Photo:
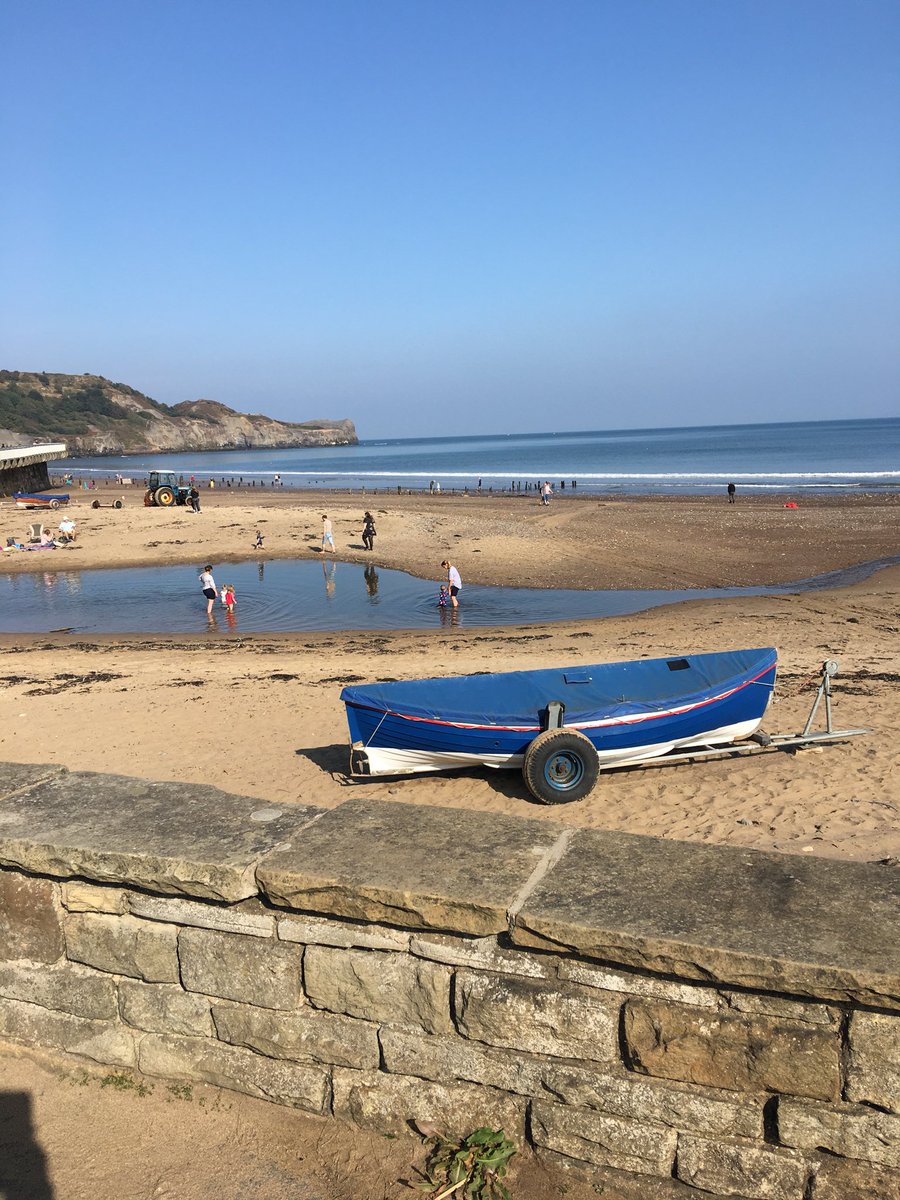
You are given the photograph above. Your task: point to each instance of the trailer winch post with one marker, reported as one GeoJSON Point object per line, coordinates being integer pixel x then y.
{"type": "Point", "coordinates": [829, 668]}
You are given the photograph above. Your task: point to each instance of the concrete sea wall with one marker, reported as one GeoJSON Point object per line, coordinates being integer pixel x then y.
{"type": "Point", "coordinates": [680, 1020]}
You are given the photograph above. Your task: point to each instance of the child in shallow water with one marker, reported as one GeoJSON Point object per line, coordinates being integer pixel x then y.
{"type": "Point", "coordinates": [443, 596]}
{"type": "Point", "coordinates": [228, 596]}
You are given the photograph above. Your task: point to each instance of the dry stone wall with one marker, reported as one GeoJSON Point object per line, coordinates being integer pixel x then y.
{"type": "Point", "coordinates": [389, 976]}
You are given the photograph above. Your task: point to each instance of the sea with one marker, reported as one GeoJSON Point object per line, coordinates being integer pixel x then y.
{"type": "Point", "coordinates": [796, 457]}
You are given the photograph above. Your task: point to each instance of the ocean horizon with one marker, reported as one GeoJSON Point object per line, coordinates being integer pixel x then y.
{"type": "Point", "coordinates": [823, 456]}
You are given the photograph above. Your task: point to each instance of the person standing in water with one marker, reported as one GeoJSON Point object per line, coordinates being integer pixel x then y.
{"type": "Point", "coordinates": [210, 591]}
{"type": "Point", "coordinates": [453, 579]}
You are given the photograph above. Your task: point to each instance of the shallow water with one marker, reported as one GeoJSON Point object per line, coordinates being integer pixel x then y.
{"type": "Point", "coordinates": [295, 596]}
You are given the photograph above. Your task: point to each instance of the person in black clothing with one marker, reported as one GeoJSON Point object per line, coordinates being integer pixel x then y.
{"type": "Point", "coordinates": [368, 533]}
{"type": "Point", "coordinates": [731, 491]}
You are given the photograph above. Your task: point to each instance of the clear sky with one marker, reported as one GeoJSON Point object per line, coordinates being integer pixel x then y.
{"type": "Point", "coordinates": [458, 216]}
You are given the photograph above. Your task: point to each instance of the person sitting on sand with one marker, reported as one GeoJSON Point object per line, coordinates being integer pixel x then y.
{"type": "Point", "coordinates": [47, 537]}
{"type": "Point", "coordinates": [67, 529]}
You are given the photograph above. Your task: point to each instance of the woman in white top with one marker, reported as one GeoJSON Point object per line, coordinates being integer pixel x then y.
{"type": "Point", "coordinates": [208, 584]}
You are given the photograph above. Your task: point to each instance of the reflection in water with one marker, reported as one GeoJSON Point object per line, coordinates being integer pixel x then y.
{"type": "Point", "coordinates": [371, 577]}
{"type": "Point", "coordinates": [449, 616]}
{"type": "Point", "coordinates": [328, 570]}
{"type": "Point", "coordinates": [231, 618]}
{"type": "Point", "coordinates": [261, 571]}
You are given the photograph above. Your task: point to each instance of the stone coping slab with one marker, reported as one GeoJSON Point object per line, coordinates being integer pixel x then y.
{"type": "Point", "coordinates": [173, 838]}
{"type": "Point", "coordinates": [15, 776]}
{"type": "Point", "coordinates": [807, 926]}
{"type": "Point", "coordinates": [411, 865]}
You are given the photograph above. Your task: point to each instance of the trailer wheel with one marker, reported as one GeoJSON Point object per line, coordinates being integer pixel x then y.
{"type": "Point", "coordinates": [95, 504]}
{"type": "Point", "coordinates": [560, 765]}
{"type": "Point", "coordinates": [54, 504]}
{"type": "Point", "coordinates": [117, 504]}
{"type": "Point", "coordinates": [165, 497]}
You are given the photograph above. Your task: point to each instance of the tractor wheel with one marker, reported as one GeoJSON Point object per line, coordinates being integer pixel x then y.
{"type": "Point", "coordinates": [164, 497]}
{"type": "Point", "coordinates": [560, 765]}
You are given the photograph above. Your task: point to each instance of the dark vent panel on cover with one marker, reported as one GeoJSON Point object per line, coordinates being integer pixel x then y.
{"type": "Point", "coordinates": [678, 664]}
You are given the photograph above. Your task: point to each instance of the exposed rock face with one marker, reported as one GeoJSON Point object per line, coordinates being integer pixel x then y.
{"type": "Point", "coordinates": [95, 416]}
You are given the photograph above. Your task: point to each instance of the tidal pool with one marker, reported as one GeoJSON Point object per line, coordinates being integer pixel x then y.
{"type": "Point", "coordinates": [295, 596]}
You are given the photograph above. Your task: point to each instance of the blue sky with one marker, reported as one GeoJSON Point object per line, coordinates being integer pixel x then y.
{"type": "Point", "coordinates": [458, 217]}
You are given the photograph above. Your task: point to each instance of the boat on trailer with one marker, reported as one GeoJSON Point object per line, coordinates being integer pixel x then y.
{"type": "Point", "coordinates": [562, 726]}
{"type": "Point", "coordinates": [37, 500]}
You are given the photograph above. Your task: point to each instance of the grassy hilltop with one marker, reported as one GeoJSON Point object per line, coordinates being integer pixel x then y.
{"type": "Point", "coordinates": [92, 415]}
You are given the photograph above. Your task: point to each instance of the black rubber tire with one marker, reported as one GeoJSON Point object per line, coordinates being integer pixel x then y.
{"type": "Point", "coordinates": [95, 504]}
{"type": "Point", "coordinates": [117, 504]}
{"type": "Point", "coordinates": [164, 497]}
{"type": "Point", "coordinates": [561, 765]}
{"type": "Point", "coordinates": [54, 504]}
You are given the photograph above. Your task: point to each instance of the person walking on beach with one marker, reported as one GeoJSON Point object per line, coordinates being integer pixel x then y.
{"type": "Point", "coordinates": [731, 491]}
{"type": "Point", "coordinates": [368, 533]}
{"type": "Point", "coordinates": [194, 497]}
{"type": "Point", "coordinates": [327, 534]}
{"type": "Point", "coordinates": [258, 544]}
{"type": "Point", "coordinates": [454, 581]}
{"type": "Point", "coordinates": [546, 492]}
{"type": "Point", "coordinates": [208, 586]}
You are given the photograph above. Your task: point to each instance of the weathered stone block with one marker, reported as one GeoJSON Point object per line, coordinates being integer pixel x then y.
{"type": "Point", "coordinates": [63, 987]}
{"type": "Point", "coordinates": [761, 1004]}
{"type": "Point", "coordinates": [604, 1141]}
{"type": "Point", "coordinates": [247, 917]}
{"type": "Point", "coordinates": [305, 1036]}
{"type": "Point", "coordinates": [162, 1008]}
{"type": "Point", "coordinates": [239, 1070]}
{"type": "Point", "coordinates": [631, 983]}
{"type": "Point", "coordinates": [639, 1099]}
{"type": "Point", "coordinates": [315, 931]}
{"type": "Point", "coordinates": [564, 1020]}
{"type": "Point", "coordinates": [741, 1053]}
{"type": "Point", "coordinates": [90, 897]}
{"type": "Point", "coordinates": [236, 967]}
{"type": "Point", "coordinates": [388, 1102]}
{"type": "Point", "coordinates": [377, 986]}
{"type": "Point", "coordinates": [446, 1059]}
{"type": "Point", "coordinates": [16, 777]}
{"type": "Point", "coordinates": [873, 1070]}
{"type": "Point", "coordinates": [741, 918]}
{"type": "Point", "coordinates": [409, 865]}
{"type": "Point", "coordinates": [856, 1132]}
{"type": "Point", "coordinates": [123, 946]}
{"type": "Point", "coordinates": [175, 838]}
{"type": "Point", "coordinates": [110, 1045]}
{"type": "Point", "coordinates": [483, 954]}
{"type": "Point", "coordinates": [758, 1173]}
{"type": "Point", "coordinates": [29, 919]}
{"type": "Point", "coordinates": [843, 1179]}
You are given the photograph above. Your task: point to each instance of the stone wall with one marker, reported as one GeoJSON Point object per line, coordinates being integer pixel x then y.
{"type": "Point", "coordinates": [30, 478]}
{"type": "Point", "coordinates": [680, 1020]}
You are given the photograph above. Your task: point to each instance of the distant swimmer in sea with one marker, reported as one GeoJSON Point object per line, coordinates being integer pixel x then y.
{"type": "Point", "coordinates": [208, 586]}
{"type": "Point", "coordinates": [454, 582]}
{"type": "Point", "coordinates": [731, 491]}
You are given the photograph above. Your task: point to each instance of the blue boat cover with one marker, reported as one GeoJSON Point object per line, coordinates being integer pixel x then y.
{"type": "Point", "coordinates": [589, 692]}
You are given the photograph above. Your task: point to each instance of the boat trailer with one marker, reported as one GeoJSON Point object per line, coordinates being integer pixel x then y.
{"type": "Point", "coordinates": [760, 741]}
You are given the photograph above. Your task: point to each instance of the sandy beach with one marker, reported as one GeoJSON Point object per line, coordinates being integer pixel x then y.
{"type": "Point", "coordinates": [260, 715]}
